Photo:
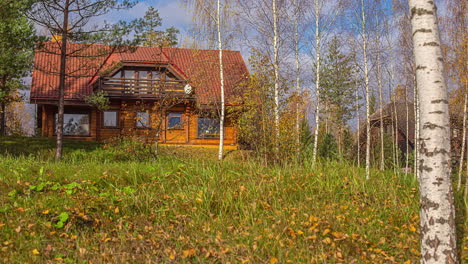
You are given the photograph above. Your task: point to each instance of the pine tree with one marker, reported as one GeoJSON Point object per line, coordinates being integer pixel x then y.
{"type": "Point", "coordinates": [17, 41]}
{"type": "Point", "coordinates": [338, 86]}
{"type": "Point", "coordinates": [147, 31]}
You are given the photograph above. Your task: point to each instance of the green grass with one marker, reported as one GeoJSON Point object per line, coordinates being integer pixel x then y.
{"type": "Point", "coordinates": [186, 207]}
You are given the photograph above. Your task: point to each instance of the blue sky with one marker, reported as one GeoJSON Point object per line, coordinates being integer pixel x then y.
{"type": "Point", "coordinates": [171, 11]}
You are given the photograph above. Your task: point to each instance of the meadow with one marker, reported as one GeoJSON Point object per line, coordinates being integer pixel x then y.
{"type": "Point", "coordinates": [118, 204]}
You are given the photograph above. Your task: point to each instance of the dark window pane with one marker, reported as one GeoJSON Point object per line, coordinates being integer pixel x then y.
{"type": "Point", "coordinates": [208, 128]}
{"type": "Point", "coordinates": [110, 118]}
{"type": "Point", "coordinates": [142, 119]}
{"type": "Point", "coordinates": [174, 120]}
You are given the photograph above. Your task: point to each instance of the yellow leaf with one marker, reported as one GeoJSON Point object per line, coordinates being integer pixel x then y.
{"type": "Point", "coordinates": [45, 212]}
{"type": "Point", "coordinates": [325, 232]}
{"type": "Point", "coordinates": [188, 253]}
{"type": "Point", "coordinates": [35, 252]}
{"type": "Point", "coordinates": [116, 210]}
{"type": "Point", "coordinates": [412, 228]}
{"type": "Point", "coordinates": [171, 256]}
{"type": "Point", "coordinates": [273, 260]}
{"type": "Point", "coordinates": [327, 240]}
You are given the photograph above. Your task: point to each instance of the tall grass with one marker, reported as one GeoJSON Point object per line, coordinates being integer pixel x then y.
{"type": "Point", "coordinates": [198, 210]}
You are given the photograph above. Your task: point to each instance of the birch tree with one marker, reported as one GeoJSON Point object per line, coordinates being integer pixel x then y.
{"type": "Point", "coordinates": [438, 239]}
{"type": "Point", "coordinates": [366, 83]}
{"type": "Point", "coordinates": [322, 23]}
{"type": "Point", "coordinates": [211, 16]}
{"type": "Point", "coordinates": [317, 9]}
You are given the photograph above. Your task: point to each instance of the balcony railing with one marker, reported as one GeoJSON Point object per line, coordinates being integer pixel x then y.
{"type": "Point", "coordinates": [142, 88]}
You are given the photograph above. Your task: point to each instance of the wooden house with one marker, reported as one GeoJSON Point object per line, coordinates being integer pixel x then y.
{"type": "Point", "coordinates": [167, 93]}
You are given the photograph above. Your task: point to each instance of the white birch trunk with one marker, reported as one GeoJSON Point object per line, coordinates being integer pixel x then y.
{"type": "Point", "coordinates": [379, 80]}
{"type": "Point", "coordinates": [317, 82]}
{"type": "Point", "coordinates": [462, 154]}
{"type": "Point", "coordinates": [366, 78]}
{"type": "Point", "coordinates": [416, 131]}
{"type": "Point", "coordinates": [298, 80]}
{"type": "Point", "coordinates": [276, 69]}
{"type": "Point", "coordinates": [438, 238]}
{"type": "Point", "coordinates": [407, 130]}
{"type": "Point", "coordinates": [358, 127]}
{"type": "Point", "coordinates": [221, 76]}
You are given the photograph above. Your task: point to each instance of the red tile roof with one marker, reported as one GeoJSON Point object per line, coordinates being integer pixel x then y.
{"type": "Point", "coordinates": [87, 62]}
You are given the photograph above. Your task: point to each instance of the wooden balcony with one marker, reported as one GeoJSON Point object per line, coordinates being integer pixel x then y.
{"type": "Point", "coordinates": [143, 88]}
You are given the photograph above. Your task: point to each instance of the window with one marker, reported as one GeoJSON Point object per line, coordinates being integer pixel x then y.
{"type": "Point", "coordinates": [208, 127]}
{"type": "Point", "coordinates": [74, 124]}
{"type": "Point", "coordinates": [110, 119]}
{"type": "Point", "coordinates": [142, 119]}
{"type": "Point", "coordinates": [174, 121]}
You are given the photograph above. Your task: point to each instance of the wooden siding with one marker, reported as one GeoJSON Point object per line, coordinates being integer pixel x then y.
{"type": "Point", "coordinates": [127, 110]}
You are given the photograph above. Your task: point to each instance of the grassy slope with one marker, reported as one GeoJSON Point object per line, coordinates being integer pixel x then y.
{"type": "Point", "coordinates": [197, 210]}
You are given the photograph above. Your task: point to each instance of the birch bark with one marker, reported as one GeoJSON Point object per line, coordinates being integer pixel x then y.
{"type": "Point", "coordinates": [221, 77]}
{"type": "Point", "coordinates": [438, 239]}
{"type": "Point", "coordinates": [366, 78]}
{"type": "Point", "coordinates": [317, 82]}
{"type": "Point", "coordinates": [298, 79]}
{"type": "Point", "coordinates": [462, 154]}
{"type": "Point", "coordinates": [276, 70]}
{"type": "Point", "coordinates": [379, 81]}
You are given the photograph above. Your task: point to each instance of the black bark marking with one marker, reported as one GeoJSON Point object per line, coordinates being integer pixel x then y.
{"type": "Point", "coordinates": [428, 204]}
{"type": "Point", "coordinates": [424, 229]}
{"type": "Point", "coordinates": [440, 59]}
{"type": "Point", "coordinates": [436, 152]}
{"type": "Point", "coordinates": [420, 12]}
{"type": "Point", "coordinates": [439, 181]}
{"type": "Point", "coordinates": [431, 221]}
{"type": "Point", "coordinates": [422, 30]}
{"type": "Point", "coordinates": [425, 168]}
{"type": "Point", "coordinates": [433, 44]}
{"type": "Point", "coordinates": [439, 101]}
{"type": "Point", "coordinates": [449, 254]}
{"type": "Point", "coordinates": [437, 112]}
{"type": "Point", "coordinates": [442, 221]}
{"type": "Point", "coordinates": [433, 243]}
{"type": "Point", "coordinates": [421, 67]}
{"type": "Point", "coordinates": [427, 256]}
{"type": "Point", "coordinates": [432, 126]}
{"type": "Point", "coordinates": [437, 82]}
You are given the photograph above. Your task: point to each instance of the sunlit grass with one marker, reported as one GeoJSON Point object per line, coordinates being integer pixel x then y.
{"type": "Point", "coordinates": [198, 210]}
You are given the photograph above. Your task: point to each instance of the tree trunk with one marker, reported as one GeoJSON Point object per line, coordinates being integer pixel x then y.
{"type": "Point", "coordinates": [438, 238]}
{"type": "Point", "coordinates": [298, 80]}
{"type": "Point", "coordinates": [3, 119]}
{"type": "Point", "coordinates": [366, 77]}
{"type": "Point", "coordinates": [416, 130]}
{"type": "Point", "coordinates": [407, 132]}
{"type": "Point", "coordinates": [276, 70]}
{"type": "Point", "coordinates": [317, 81]}
{"type": "Point", "coordinates": [379, 80]}
{"type": "Point", "coordinates": [61, 99]}
{"type": "Point", "coordinates": [358, 127]}
{"type": "Point", "coordinates": [462, 154]}
{"type": "Point", "coordinates": [221, 76]}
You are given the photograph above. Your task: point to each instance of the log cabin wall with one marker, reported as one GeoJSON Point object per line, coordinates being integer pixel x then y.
{"type": "Point", "coordinates": [127, 111]}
